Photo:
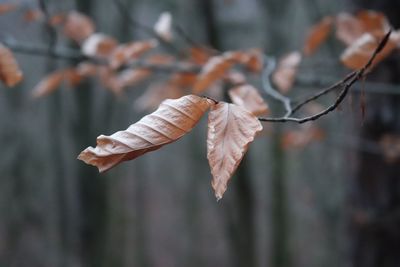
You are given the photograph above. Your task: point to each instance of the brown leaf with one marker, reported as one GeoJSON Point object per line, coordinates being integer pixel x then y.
{"type": "Point", "coordinates": [131, 51]}
{"type": "Point", "coordinates": [48, 84]}
{"type": "Point", "coordinates": [7, 7]}
{"type": "Point", "coordinates": [214, 69]}
{"type": "Point", "coordinates": [235, 78]}
{"type": "Point", "coordinates": [358, 54]}
{"type": "Point", "coordinates": [10, 73]}
{"type": "Point", "coordinates": [248, 97]}
{"type": "Point", "coordinates": [163, 26]}
{"type": "Point", "coordinates": [78, 26]}
{"type": "Point", "coordinates": [172, 120]}
{"type": "Point", "coordinates": [99, 45]}
{"type": "Point", "coordinates": [131, 77]}
{"type": "Point", "coordinates": [317, 35]}
{"type": "Point", "coordinates": [286, 72]}
{"type": "Point", "coordinates": [252, 60]}
{"type": "Point", "coordinates": [373, 22]}
{"type": "Point", "coordinates": [348, 28]}
{"type": "Point", "coordinates": [199, 55]}
{"type": "Point", "coordinates": [231, 129]}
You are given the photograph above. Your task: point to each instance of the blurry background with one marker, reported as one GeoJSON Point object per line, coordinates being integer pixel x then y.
{"type": "Point", "coordinates": [334, 202]}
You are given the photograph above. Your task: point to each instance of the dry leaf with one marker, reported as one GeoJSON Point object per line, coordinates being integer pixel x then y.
{"type": "Point", "coordinates": [183, 79]}
{"type": "Point", "coordinates": [373, 22]}
{"type": "Point", "coordinates": [131, 51]}
{"type": "Point", "coordinates": [199, 55]}
{"type": "Point", "coordinates": [73, 77]}
{"type": "Point", "coordinates": [248, 97]}
{"type": "Point", "coordinates": [7, 7]}
{"type": "Point", "coordinates": [10, 73]}
{"type": "Point", "coordinates": [78, 26]}
{"type": "Point", "coordinates": [348, 28]}
{"type": "Point", "coordinates": [317, 35]}
{"type": "Point", "coordinates": [358, 54]}
{"type": "Point", "coordinates": [172, 120]}
{"type": "Point", "coordinates": [253, 60]}
{"type": "Point", "coordinates": [235, 78]}
{"type": "Point", "coordinates": [286, 72]}
{"type": "Point", "coordinates": [231, 129]}
{"type": "Point", "coordinates": [163, 26]}
{"type": "Point", "coordinates": [99, 45]}
{"type": "Point", "coordinates": [131, 77]}
{"type": "Point", "coordinates": [214, 69]}
{"type": "Point", "coordinates": [48, 84]}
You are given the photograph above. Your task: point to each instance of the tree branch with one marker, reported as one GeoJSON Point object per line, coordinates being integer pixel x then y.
{"type": "Point", "coordinates": [346, 84]}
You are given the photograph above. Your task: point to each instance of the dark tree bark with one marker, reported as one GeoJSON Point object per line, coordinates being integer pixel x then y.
{"type": "Point", "coordinates": [375, 193]}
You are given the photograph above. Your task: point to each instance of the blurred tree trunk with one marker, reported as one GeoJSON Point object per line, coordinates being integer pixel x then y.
{"type": "Point", "coordinates": [241, 206]}
{"type": "Point", "coordinates": [376, 189]}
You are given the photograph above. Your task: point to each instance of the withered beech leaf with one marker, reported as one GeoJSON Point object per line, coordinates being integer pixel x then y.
{"type": "Point", "coordinates": [248, 97]}
{"type": "Point", "coordinates": [348, 28]}
{"type": "Point", "coordinates": [10, 73]}
{"type": "Point", "coordinates": [78, 26]}
{"type": "Point", "coordinates": [130, 51]}
{"type": "Point", "coordinates": [285, 74]}
{"type": "Point", "coordinates": [48, 84]}
{"type": "Point", "coordinates": [172, 120]}
{"type": "Point", "coordinates": [373, 22]}
{"type": "Point", "coordinates": [231, 129]}
{"type": "Point", "coordinates": [317, 35]}
{"type": "Point", "coordinates": [358, 54]}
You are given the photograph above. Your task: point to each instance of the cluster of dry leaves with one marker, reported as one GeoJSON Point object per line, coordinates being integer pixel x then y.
{"type": "Point", "coordinates": [194, 71]}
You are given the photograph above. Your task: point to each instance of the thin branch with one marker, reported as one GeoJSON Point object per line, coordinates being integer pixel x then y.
{"type": "Point", "coordinates": [269, 68]}
{"type": "Point", "coordinates": [346, 83]}
{"type": "Point", "coordinates": [49, 28]}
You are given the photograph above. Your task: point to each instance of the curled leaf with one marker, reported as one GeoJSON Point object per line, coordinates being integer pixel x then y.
{"type": "Point", "coordinates": [10, 73]}
{"type": "Point", "coordinates": [358, 54]}
{"type": "Point", "coordinates": [348, 28]}
{"type": "Point", "coordinates": [172, 120]}
{"type": "Point", "coordinates": [48, 84]}
{"type": "Point", "coordinates": [248, 97]}
{"type": "Point", "coordinates": [127, 52]}
{"type": "Point", "coordinates": [231, 129]}
{"type": "Point", "coordinates": [78, 26]}
{"type": "Point", "coordinates": [317, 35]}
{"type": "Point", "coordinates": [286, 72]}
{"type": "Point", "coordinates": [214, 69]}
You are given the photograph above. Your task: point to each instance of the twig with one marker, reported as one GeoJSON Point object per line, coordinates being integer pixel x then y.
{"type": "Point", "coordinates": [269, 68]}
{"type": "Point", "coordinates": [49, 28]}
{"type": "Point", "coordinates": [346, 84]}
